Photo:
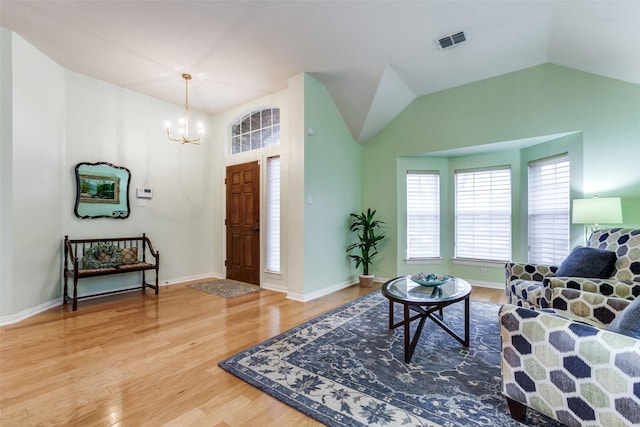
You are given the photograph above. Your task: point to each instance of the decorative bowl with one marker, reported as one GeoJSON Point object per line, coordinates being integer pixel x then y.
{"type": "Point", "coordinates": [429, 279]}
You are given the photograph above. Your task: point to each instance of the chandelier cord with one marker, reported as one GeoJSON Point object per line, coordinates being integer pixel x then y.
{"type": "Point", "coordinates": [186, 78]}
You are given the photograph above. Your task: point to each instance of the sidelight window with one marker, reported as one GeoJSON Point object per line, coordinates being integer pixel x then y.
{"type": "Point", "coordinates": [273, 214]}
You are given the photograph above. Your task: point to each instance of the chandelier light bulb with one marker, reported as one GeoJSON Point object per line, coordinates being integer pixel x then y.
{"type": "Point", "coordinates": [183, 127]}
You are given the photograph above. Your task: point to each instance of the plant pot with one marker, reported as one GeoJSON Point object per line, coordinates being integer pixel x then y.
{"type": "Point", "coordinates": [366, 280]}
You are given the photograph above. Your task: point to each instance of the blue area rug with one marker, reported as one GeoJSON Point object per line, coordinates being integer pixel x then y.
{"type": "Point", "coordinates": [346, 368]}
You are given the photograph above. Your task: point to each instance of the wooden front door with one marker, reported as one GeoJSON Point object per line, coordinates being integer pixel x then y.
{"type": "Point", "coordinates": [243, 222]}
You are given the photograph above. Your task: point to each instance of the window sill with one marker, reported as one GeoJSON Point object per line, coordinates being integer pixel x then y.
{"type": "Point", "coordinates": [418, 261]}
{"type": "Point", "coordinates": [275, 274]}
{"type": "Point", "coordinates": [479, 262]}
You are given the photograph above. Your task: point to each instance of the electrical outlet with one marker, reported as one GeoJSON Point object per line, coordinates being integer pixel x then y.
{"type": "Point", "coordinates": [483, 271]}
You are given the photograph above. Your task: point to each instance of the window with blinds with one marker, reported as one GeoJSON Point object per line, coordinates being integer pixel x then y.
{"type": "Point", "coordinates": [548, 211]}
{"type": "Point", "coordinates": [423, 215]}
{"type": "Point", "coordinates": [273, 214]}
{"type": "Point", "coordinates": [483, 214]}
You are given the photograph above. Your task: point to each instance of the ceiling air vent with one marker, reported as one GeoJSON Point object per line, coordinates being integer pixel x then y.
{"type": "Point", "coordinates": [452, 40]}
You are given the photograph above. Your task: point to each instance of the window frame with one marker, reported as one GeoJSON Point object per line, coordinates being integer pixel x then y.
{"type": "Point", "coordinates": [430, 208]}
{"type": "Point", "coordinates": [477, 240]}
{"type": "Point", "coordinates": [549, 244]}
{"type": "Point", "coordinates": [254, 131]}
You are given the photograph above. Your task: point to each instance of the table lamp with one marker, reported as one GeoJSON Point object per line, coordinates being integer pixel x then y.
{"type": "Point", "coordinates": [596, 212]}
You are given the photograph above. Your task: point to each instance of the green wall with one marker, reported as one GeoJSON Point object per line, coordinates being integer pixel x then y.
{"type": "Point", "coordinates": [333, 189]}
{"type": "Point", "coordinates": [598, 116]}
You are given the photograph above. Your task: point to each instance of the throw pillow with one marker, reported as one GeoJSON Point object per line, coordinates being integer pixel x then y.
{"type": "Point", "coordinates": [628, 321]}
{"type": "Point", "coordinates": [129, 255]}
{"type": "Point", "coordinates": [588, 262]}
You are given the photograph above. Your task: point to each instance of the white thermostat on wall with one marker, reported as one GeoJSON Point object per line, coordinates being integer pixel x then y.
{"type": "Point", "coordinates": [145, 192]}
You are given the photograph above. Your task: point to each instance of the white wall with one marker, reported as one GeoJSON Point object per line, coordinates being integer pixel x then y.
{"type": "Point", "coordinates": [221, 134]}
{"type": "Point", "coordinates": [295, 202]}
{"type": "Point", "coordinates": [110, 124]}
{"type": "Point", "coordinates": [59, 118]}
{"type": "Point", "coordinates": [38, 124]}
{"type": "Point", "coordinates": [6, 141]}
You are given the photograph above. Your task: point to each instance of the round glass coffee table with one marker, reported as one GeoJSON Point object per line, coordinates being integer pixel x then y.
{"type": "Point", "coordinates": [425, 301]}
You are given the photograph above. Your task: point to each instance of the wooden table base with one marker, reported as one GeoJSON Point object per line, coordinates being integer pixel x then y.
{"type": "Point", "coordinates": [422, 313]}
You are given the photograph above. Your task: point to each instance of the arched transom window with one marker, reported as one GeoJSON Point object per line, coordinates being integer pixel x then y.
{"type": "Point", "coordinates": [256, 130]}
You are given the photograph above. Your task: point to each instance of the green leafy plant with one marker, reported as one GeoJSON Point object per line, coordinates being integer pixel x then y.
{"type": "Point", "coordinates": [368, 230]}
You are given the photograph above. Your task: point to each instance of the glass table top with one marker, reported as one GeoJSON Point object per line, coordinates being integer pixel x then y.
{"type": "Point", "coordinates": [405, 289]}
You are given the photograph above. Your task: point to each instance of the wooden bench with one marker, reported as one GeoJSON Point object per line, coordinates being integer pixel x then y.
{"type": "Point", "coordinates": [107, 256]}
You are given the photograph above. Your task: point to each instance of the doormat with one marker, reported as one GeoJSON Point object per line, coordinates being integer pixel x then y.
{"type": "Point", "coordinates": [226, 288]}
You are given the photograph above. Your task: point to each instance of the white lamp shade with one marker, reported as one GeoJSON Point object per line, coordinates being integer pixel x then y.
{"type": "Point", "coordinates": [606, 210]}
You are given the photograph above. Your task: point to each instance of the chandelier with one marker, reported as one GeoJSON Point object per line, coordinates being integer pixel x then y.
{"type": "Point", "coordinates": [183, 123]}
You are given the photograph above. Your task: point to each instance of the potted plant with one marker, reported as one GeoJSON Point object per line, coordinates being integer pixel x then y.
{"type": "Point", "coordinates": [369, 233]}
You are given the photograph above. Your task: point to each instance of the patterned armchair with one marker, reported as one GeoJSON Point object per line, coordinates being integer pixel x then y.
{"type": "Point", "coordinates": [531, 285]}
{"type": "Point", "coordinates": [561, 360]}
{"type": "Point", "coordinates": [524, 283]}
{"type": "Point", "coordinates": [573, 372]}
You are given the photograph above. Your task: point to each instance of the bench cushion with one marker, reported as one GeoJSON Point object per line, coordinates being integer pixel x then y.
{"type": "Point", "coordinates": [139, 266]}
{"type": "Point", "coordinates": [93, 271]}
{"type": "Point", "coordinates": [136, 266]}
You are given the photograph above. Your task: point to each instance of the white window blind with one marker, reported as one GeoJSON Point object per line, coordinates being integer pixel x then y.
{"type": "Point", "coordinates": [548, 210]}
{"type": "Point", "coordinates": [273, 214]}
{"type": "Point", "coordinates": [423, 215]}
{"type": "Point", "coordinates": [483, 214]}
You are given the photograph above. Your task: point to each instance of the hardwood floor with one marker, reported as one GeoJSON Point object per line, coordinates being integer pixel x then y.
{"type": "Point", "coordinates": [137, 360]}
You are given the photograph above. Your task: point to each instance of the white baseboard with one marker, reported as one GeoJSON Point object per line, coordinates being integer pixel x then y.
{"type": "Point", "coordinates": [176, 280]}
{"type": "Point", "coordinates": [273, 287]}
{"type": "Point", "coordinates": [492, 285]}
{"type": "Point", "coordinates": [32, 311]}
{"type": "Point", "coordinates": [320, 293]}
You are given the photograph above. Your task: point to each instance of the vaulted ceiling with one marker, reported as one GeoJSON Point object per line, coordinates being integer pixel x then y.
{"type": "Point", "coordinates": [374, 57]}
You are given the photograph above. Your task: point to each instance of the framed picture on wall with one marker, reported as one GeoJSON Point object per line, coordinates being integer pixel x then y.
{"type": "Point", "coordinates": [99, 189]}
{"type": "Point", "coordinates": [102, 190]}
